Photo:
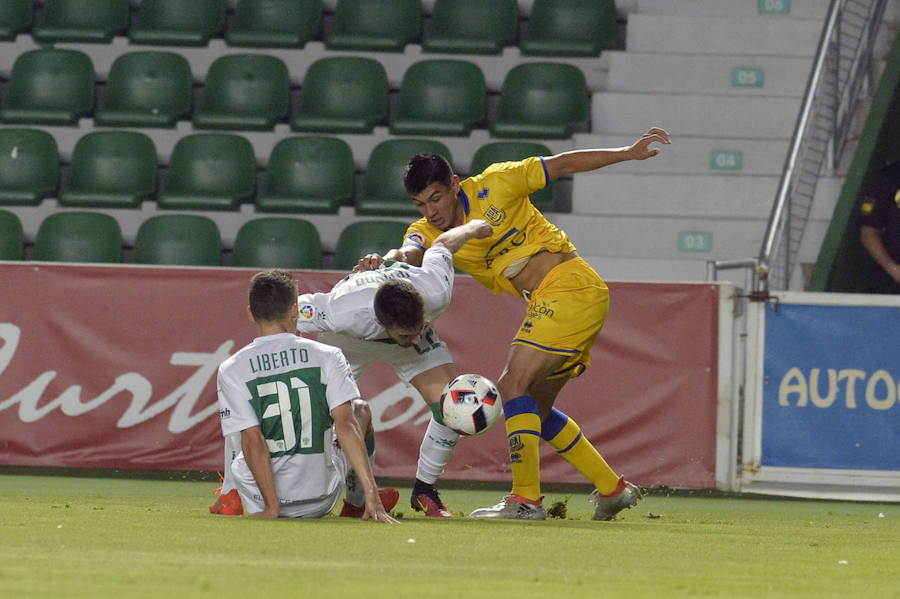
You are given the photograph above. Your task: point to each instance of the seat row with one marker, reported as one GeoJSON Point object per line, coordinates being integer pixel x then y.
{"type": "Point", "coordinates": [188, 239]}
{"type": "Point", "coordinates": [218, 171]}
{"type": "Point", "coordinates": [555, 27]}
{"type": "Point", "coordinates": [340, 94]}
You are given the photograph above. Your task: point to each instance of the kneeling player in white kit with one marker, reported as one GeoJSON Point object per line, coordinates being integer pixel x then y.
{"type": "Point", "coordinates": [292, 400]}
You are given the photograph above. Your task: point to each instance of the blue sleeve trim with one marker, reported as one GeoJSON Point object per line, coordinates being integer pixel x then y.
{"type": "Point", "coordinates": [546, 174]}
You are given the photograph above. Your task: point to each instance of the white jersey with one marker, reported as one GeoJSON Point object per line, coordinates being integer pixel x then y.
{"type": "Point", "coordinates": [348, 308]}
{"type": "Point", "coordinates": [288, 386]}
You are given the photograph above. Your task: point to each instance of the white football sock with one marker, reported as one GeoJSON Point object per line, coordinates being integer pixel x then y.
{"type": "Point", "coordinates": [232, 449]}
{"type": "Point", "coordinates": [435, 451]}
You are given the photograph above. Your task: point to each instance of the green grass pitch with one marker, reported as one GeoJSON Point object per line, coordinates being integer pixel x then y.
{"type": "Point", "coordinates": [85, 537]}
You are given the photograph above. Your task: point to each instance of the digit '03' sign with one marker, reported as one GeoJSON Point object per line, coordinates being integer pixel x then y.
{"type": "Point", "coordinates": [692, 241]}
{"type": "Point", "coordinates": [774, 7]}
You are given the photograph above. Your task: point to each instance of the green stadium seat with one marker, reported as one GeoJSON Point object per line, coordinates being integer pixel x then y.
{"type": "Point", "coordinates": [177, 22]}
{"type": "Point", "coordinates": [375, 25]}
{"type": "Point", "coordinates": [366, 237]}
{"type": "Point", "coordinates": [49, 87]}
{"type": "Point", "coordinates": [111, 169]}
{"type": "Point", "coordinates": [209, 171]}
{"type": "Point", "coordinates": [569, 27]}
{"type": "Point", "coordinates": [29, 166]}
{"type": "Point", "coordinates": [178, 240]}
{"type": "Point", "coordinates": [277, 242]}
{"type": "Point", "coordinates": [382, 191]}
{"type": "Point", "coordinates": [307, 174]}
{"type": "Point", "coordinates": [244, 92]}
{"type": "Point", "coordinates": [505, 151]}
{"type": "Point", "coordinates": [15, 18]}
{"type": "Point", "coordinates": [472, 26]}
{"type": "Point", "coordinates": [146, 89]}
{"type": "Point", "coordinates": [82, 21]}
{"type": "Point", "coordinates": [342, 94]}
{"type": "Point", "coordinates": [12, 237]}
{"type": "Point", "coordinates": [274, 23]}
{"type": "Point", "coordinates": [78, 237]}
{"type": "Point", "coordinates": [541, 100]}
{"type": "Point", "coordinates": [440, 97]}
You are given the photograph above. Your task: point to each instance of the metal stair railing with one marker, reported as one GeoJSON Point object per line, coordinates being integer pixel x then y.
{"type": "Point", "coordinates": [842, 63]}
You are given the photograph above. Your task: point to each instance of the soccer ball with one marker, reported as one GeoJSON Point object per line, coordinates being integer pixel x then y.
{"type": "Point", "coordinates": [470, 404]}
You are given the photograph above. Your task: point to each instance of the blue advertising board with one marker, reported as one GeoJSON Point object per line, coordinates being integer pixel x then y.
{"type": "Point", "coordinates": [831, 387]}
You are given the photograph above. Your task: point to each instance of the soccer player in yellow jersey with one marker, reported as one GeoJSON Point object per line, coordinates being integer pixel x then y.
{"type": "Point", "coordinates": [567, 302]}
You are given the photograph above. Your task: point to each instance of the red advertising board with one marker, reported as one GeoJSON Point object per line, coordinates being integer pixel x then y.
{"type": "Point", "coordinates": [114, 367]}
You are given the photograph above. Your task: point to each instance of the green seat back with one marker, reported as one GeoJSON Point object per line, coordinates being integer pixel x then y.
{"type": "Point", "coordinates": [569, 27]}
{"type": "Point", "coordinates": [278, 243]}
{"type": "Point", "coordinates": [472, 26]}
{"type": "Point", "coordinates": [440, 97]}
{"type": "Point", "coordinates": [375, 25]}
{"type": "Point", "coordinates": [275, 23]}
{"type": "Point", "coordinates": [178, 239]}
{"type": "Point", "coordinates": [383, 192]}
{"type": "Point", "coordinates": [505, 151]}
{"type": "Point", "coordinates": [15, 18]}
{"type": "Point", "coordinates": [541, 100]}
{"type": "Point", "coordinates": [342, 94]}
{"type": "Point", "coordinates": [209, 171]}
{"type": "Point", "coordinates": [29, 166]}
{"type": "Point", "coordinates": [12, 237]}
{"type": "Point", "coordinates": [49, 87]}
{"type": "Point", "coordinates": [88, 21]}
{"type": "Point", "coordinates": [78, 237]}
{"type": "Point", "coordinates": [244, 92]}
{"type": "Point", "coordinates": [146, 89]}
{"type": "Point", "coordinates": [307, 174]}
{"type": "Point", "coordinates": [177, 22]}
{"type": "Point", "coordinates": [111, 169]}
{"type": "Point", "coordinates": [366, 237]}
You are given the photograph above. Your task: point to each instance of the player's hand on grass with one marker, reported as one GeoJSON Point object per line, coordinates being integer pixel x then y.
{"type": "Point", "coordinates": [369, 262]}
{"type": "Point", "coordinates": [379, 514]}
{"type": "Point", "coordinates": [266, 513]}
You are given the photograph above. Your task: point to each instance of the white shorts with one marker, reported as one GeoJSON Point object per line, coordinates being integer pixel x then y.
{"type": "Point", "coordinates": [407, 362]}
{"type": "Point", "coordinates": [308, 486]}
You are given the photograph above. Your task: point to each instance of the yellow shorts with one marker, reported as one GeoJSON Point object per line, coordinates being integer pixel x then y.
{"type": "Point", "coordinates": [565, 314]}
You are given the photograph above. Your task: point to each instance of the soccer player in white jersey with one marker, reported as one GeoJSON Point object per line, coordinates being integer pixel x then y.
{"type": "Point", "coordinates": [296, 407]}
{"type": "Point", "coordinates": [386, 315]}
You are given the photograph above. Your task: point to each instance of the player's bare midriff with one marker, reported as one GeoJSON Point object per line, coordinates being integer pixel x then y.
{"type": "Point", "coordinates": [537, 268]}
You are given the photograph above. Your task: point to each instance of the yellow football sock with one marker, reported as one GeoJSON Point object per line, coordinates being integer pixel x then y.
{"type": "Point", "coordinates": [523, 426]}
{"type": "Point", "coordinates": [565, 436]}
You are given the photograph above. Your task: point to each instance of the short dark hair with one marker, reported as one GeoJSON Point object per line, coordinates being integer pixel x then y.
{"type": "Point", "coordinates": [398, 303]}
{"type": "Point", "coordinates": [272, 292]}
{"type": "Point", "coordinates": [424, 169]}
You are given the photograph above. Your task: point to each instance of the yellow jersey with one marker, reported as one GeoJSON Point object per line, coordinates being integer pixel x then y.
{"type": "Point", "coordinates": [499, 195]}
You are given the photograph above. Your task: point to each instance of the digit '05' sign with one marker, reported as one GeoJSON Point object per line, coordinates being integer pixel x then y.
{"type": "Point", "coordinates": [746, 77]}
{"type": "Point", "coordinates": [774, 7]}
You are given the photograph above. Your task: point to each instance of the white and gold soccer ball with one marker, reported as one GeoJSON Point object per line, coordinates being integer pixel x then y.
{"type": "Point", "coordinates": [470, 404]}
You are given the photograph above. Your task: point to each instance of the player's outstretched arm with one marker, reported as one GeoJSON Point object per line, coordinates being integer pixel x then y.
{"type": "Point", "coordinates": [455, 238]}
{"type": "Point", "coordinates": [579, 161]}
{"type": "Point", "coordinates": [350, 437]}
{"type": "Point", "coordinates": [256, 453]}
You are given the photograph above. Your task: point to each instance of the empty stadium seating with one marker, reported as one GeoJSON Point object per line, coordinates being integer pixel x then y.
{"type": "Point", "coordinates": [365, 237]}
{"type": "Point", "coordinates": [178, 239]}
{"type": "Point", "coordinates": [472, 26]}
{"type": "Point", "coordinates": [569, 27]}
{"type": "Point", "coordinates": [307, 174]}
{"type": "Point", "coordinates": [29, 166]}
{"type": "Point", "coordinates": [440, 97]}
{"type": "Point", "coordinates": [277, 243]}
{"type": "Point", "coordinates": [15, 17]}
{"type": "Point", "coordinates": [274, 23]}
{"type": "Point", "coordinates": [177, 23]}
{"type": "Point", "coordinates": [111, 169]}
{"type": "Point", "coordinates": [375, 25]}
{"type": "Point", "coordinates": [12, 237]}
{"type": "Point", "coordinates": [49, 86]}
{"type": "Point", "coordinates": [88, 21]}
{"type": "Point", "coordinates": [78, 237]}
